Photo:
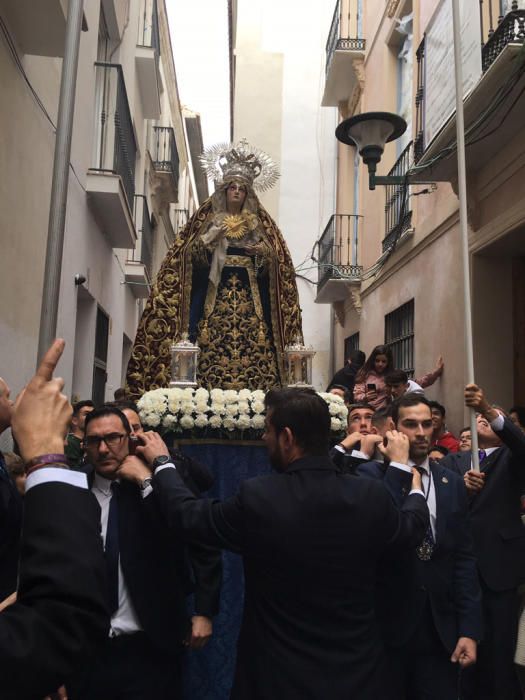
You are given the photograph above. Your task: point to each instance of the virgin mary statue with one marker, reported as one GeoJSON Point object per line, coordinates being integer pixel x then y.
{"type": "Point", "coordinates": [227, 282]}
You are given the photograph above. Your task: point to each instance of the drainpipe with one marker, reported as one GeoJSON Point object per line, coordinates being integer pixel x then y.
{"type": "Point", "coordinates": [60, 181]}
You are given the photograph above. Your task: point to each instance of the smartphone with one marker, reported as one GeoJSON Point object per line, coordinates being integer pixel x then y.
{"type": "Point", "coordinates": [371, 387]}
{"type": "Point", "coordinates": [133, 442]}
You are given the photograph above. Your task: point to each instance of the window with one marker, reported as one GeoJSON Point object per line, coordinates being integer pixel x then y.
{"type": "Point", "coordinates": [351, 343]}
{"type": "Point", "coordinates": [101, 356]}
{"type": "Point", "coordinates": [399, 334]}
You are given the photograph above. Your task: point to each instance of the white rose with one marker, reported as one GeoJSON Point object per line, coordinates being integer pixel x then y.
{"type": "Point", "coordinates": [257, 406]}
{"type": "Point", "coordinates": [187, 407]}
{"type": "Point", "coordinates": [217, 395]}
{"type": "Point", "coordinates": [258, 395]}
{"type": "Point", "coordinates": [244, 407]}
{"type": "Point", "coordinates": [187, 394]}
{"type": "Point", "coordinates": [244, 394]}
{"type": "Point", "coordinates": [169, 421]}
{"type": "Point", "coordinates": [173, 405]}
{"type": "Point", "coordinates": [218, 408]}
{"type": "Point", "coordinates": [174, 394]}
{"type": "Point", "coordinates": [215, 421]}
{"type": "Point", "coordinates": [336, 425]}
{"type": "Point", "coordinates": [202, 394]}
{"type": "Point", "coordinates": [258, 422]}
{"type": "Point", "coordinates": [333, 409]}
{"type": "Point", "coordinates": [232, 409]}
{"type": "Point", "coordinates": [187, 422]}
{"type": "Point", "coordinates": [201, 421]}
{"type": "Point", "coordinates": [229, 423]}
{"type": "Point", "coordinates": [151, 419]}
{"type": "Point", "coordinates": [201, 406]}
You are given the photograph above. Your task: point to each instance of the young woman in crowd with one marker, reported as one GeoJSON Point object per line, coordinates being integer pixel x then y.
{"type": "Point", "coordinates": [370, 380]}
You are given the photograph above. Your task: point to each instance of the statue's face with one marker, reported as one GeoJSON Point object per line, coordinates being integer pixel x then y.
{"type": "Point", "coordinates": [235, 194]}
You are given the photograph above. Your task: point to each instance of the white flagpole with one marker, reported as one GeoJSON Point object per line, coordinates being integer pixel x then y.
{"type": "Point", "coordinates": [462, 193]}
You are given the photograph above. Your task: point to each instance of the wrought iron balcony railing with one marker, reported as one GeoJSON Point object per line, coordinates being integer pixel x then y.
{"type": "Point", "coordinates": [398, 216]}
{"type": "Point", "coordinates": [115, 147]}
{"type": "Point", "coordinates": [337, 249]}
{"type": "Point", "coordinates": [145, 230]}
{"type": "Point", "coordinates": [149, 26]}
{"type": "Point", "coordinates": [344, 32]}
{"type": "Point", "coordinates": [164, 151]}
{"type": "Point", "coordinates": [510, 30]}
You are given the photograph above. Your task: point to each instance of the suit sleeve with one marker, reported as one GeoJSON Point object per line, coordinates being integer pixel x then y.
{"type": "Point", "coordinates": [513, 437]}
{"type": "Point", "coordinates": [406, 524]}
{"type": "Point", "coordinates": [467, 591]}
{"type": "Point", "coordinates": [60, 616]}
{"type": "Point", "coordinates": [205, 521]}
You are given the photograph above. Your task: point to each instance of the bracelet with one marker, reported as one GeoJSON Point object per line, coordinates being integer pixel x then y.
{"type": "Point", "coordinates": [45, 461]}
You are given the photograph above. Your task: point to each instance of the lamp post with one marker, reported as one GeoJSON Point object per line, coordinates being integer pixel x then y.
{"type": "Point", "coordinates": [184, 356]}
{"type": "Point", "coordinates": [299, 365]}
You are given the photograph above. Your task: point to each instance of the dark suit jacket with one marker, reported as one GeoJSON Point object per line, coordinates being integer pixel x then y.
{"type": "Point", "coordinates": [344, 461]}
{"type": "Point", "coordinates": [60, 616]}
{"type": "Point", "coordinates": [448, 581]}
{"type": "Point", "coordinates": [308, 628]}
{"type": "Point", "coordinates": [499, 535]}
{"type": "Point", "coordinates": [11, 505]}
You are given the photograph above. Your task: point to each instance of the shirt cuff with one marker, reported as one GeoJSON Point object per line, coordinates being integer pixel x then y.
{"type": "Point", "coordinates": [359, 454]}
{"type": "Point", "coordinates": [402, 467]}
{"type": "Point", "coordinates": [417, 491]}
{"type": "Point", "coordinates": [146, 492]}
{"type": "Point", "coordinates": [164, 466]}
{"type": "Point", "coordinates": [498, 423]}
{"type": "Point", "coordinates": [340, 448]}
{"type": "Point", "coordinates": [46, 475]}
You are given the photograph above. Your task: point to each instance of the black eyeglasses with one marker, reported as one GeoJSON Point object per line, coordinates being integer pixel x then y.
{"type": "Point", "coordinates": [111, 440]}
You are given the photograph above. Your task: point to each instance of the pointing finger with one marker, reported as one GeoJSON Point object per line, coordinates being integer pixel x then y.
{"type": "Point", "coordinates": [50, 360]}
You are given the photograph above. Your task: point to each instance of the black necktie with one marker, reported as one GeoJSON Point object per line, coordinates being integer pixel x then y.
{"type": "Point", "coordinates": [425, 550]}
{"type": "Point", "coordinates": [112, 549]}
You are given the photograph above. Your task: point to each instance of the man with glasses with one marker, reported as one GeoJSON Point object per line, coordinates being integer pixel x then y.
{"type": "Point", "coordinates": [147, 575]}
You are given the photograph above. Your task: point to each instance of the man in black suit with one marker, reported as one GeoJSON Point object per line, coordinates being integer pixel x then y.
{"type": "Point", "coordinates": [147, 577]}
{"type": "Point", "coordinates": [346, 375]}
{"type": "Point", "coordinates": [499, 543]}
{"type": "Point", "coordinates": [430, 602]}
{"type": "Point", "coordinates": [60, 614]}
{"type": "Point", "coordinates": [360, 440]}
{"type": "Point", "coordinates": [311, 539]}
{"type": "Point", "coordinates": [10, 509]}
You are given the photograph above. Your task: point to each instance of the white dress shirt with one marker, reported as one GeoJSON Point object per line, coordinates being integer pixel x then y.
{"type": "Point", "coordinates": [428, 490]}
{"type": "Point", "coordinates": [124, 619]}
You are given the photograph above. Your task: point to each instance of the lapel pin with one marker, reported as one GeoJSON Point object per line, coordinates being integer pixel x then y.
{"type": "Point", "coordinates": [444, 480]}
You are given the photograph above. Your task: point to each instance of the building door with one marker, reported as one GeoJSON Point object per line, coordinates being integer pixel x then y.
{"type": "Point", "coordinates": [101, 357]}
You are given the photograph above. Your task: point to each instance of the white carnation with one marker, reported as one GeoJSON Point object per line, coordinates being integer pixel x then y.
{"type": "Point", "coordinates": [218, 408]}
{"type": "Point", "coordinates": [257, 406]}
{"type": "Point", "coordinates": [258, 422]}
{"type": "Point", "coordinates": [232, 409]}
{"type": "Point", "coordinates": [187, 394]}
{"type": "Point", "coordinates": [173, 405]}
{"type": "Point", "coordinates": [202, 394]}
{"type": "Point", "coordinates": [187, 422]}
{"type": "Point", "coordinates": [201, 421]}
{"type": "Point", "coordinates": [217, 395]}
{"type": "Point", "coordinates": [215, 421]}
{"type": "Point", "coordinates": [244, 407]}
{"type": "Point", "coordinates": [151, 419]}
{"type": "Point", "coordinates": [333, 409]}
{"type": "Point", "coordinates": [169, 421]}
{"type": "Point", "coordinates": [244, 422]}
{"type": "Point", "coordinates": [174, 394]}
{"type": "Point", "coordinates": [231, 396]}
{"type": "Point", "coordinates": [229, 423]}
{"type": "Point", "coordinates": [244, 394]}
{"type": "Point", "coordinates": [201, 406]}
{"type": "Point", "coordinates": [258, 395]}
{"type": "Point", "coordinates": [336, 425]}
{"type": "Point", "coordinates": [187, 407]}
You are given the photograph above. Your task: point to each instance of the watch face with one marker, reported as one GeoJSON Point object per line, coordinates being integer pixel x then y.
{"type": "Point", "coordinates": [159, 461]}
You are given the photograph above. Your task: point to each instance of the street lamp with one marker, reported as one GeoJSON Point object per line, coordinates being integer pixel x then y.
{"type": "Point", "coordinates": [369, 132]}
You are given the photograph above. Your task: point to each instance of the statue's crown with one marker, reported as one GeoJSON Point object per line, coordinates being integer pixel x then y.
{"type": "Point", "coordinates": [224, 162]}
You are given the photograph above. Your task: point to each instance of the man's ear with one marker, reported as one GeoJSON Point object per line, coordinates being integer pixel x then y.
{"type": "Point", "coordinates": [287, 437]}
{"type": "Point", "coordinates": [374, 430]}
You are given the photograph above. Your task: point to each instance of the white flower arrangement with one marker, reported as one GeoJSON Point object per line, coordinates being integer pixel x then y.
{"type": "Point", "coordinates": [226, 413]}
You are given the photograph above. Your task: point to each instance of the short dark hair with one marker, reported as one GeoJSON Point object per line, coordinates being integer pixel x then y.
{"type": "Point", "coordinates": [520, 412]}
{"type": "Point", "coordinates": [347, 395]}
{"type": "Point", "coordinates": [82, 404]}
{"type": "Point", "coordinates": [397, 376]}
{"type": "Point", "coordinates": [467, 427]}
{"type": "Point", "coordinates": [305, 413]}
{"type": "Point", "coordinates": [439, 448]}
{"type": "Point", "coordinates": [436, 405]}
{"type": "Point", "coordinates": [406, 401]}
{"type": "Point", "coordinates": [360, 404]}
{"type": "Point", "coordinates": [381, 415]}
{"type": "Point", "coordinates": [356, 358]}
{"type": "Point", "coordinates": [121, 405]}
{"type": "Point", "coordinates": [120, 394]}
{"type": "Point", "coordinates": [104, 411]}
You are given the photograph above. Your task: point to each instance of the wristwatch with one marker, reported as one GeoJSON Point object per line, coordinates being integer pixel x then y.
{"type": "Point", "coordinates": [147, 482]}
{"type": "Point", "coordinates": [160, 461]}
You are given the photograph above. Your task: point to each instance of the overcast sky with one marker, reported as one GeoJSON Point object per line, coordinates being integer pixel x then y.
{"type": "Point", "coordinates": [199, 35]}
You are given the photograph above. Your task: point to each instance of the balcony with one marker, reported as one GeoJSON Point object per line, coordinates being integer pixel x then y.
{"type": "Point", "coordinates": [111, 179]}
{"type": "Point", "coordinates": [493, 109]}
{"type": "Point", "coordinates": [38, 27]}
{"type": "Point", "coordinates": [344, 53]}
{"type": "Point", "coordinates": [138, 268]}
{"type": "Point", "coordinates": [147, 59]}
{"type": "Point", "coordinates": [165, 164]}
{"type": "Point", "coordinates": [398, 215]}
{"type": "Point", "coordinates": [337, 258]}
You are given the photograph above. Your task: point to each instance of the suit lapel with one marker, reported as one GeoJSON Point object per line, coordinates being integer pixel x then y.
{"type": "Point", "coordinates": [489, 461]}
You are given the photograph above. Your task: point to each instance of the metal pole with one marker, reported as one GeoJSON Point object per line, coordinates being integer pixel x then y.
{"type": "Point", "coordinates": [59, 185]}
{"type": "Point", "coordinates": [462, 193]}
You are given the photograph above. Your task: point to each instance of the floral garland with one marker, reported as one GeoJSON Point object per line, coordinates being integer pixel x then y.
{"type": "Point", "coordinates": [218, 413]}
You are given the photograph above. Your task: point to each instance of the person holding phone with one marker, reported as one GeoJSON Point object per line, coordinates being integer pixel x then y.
{"type": "Point", "coordinates": [370, 386]}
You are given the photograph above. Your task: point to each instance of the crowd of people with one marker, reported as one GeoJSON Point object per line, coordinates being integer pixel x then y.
{"type": "Point", "coordinates": [383, 567]}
